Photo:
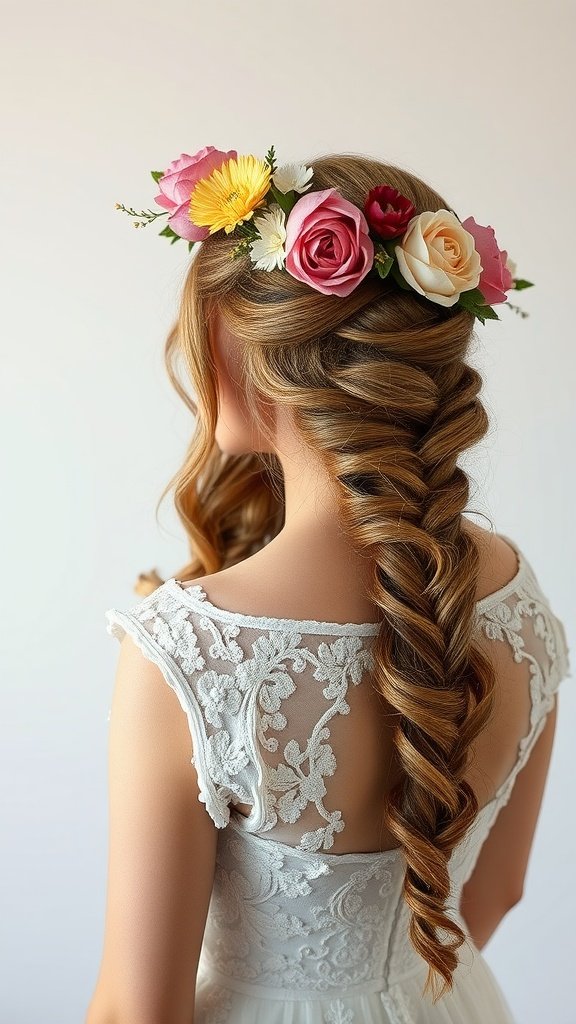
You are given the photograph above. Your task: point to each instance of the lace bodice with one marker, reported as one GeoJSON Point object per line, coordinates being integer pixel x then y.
{"type": "Point", "coordinates": [271, 704]}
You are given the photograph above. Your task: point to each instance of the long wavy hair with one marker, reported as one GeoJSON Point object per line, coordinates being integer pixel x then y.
{"type": "Point", "coordinates": [380, 389]}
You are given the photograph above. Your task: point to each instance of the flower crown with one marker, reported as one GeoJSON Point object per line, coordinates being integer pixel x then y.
{"type": "Point", "coordinates": [324, 240]}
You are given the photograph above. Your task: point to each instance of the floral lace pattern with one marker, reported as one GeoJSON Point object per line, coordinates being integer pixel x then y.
{"type": "Point", "coordinates": [338, 1014]}
{"type": "Point", "coordinates": [337, 664]}
{"type": "Point", "coordinates": [290, 916]}
{"type": "Point", "coordinates": [510, 621]}
{"type": "Point", "coordinates": [281, 919]}
{"type": "Point", "coordinates": [169, 624]}
{"type": "Point", "coordinates": [237, 710]}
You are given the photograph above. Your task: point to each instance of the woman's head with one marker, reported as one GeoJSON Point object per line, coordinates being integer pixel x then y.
{"type": "Point", "coordinates": [376, 383]}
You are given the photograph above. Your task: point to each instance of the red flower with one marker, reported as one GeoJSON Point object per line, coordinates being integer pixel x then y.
{"type": "Point", "coordinates": [388, 211]}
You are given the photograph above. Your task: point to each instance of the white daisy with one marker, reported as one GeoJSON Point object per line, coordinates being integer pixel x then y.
{"type": "Point", "coordinates": [267, 252]}
{"type": "Point", "coordinates": [292, 177]}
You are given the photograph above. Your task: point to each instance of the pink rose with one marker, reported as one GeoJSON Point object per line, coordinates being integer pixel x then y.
{"type": "Point", "coordinates": [178, 183]}
{"type": "Point", "coordinates": [327, 243]}
{"type": "Point", "coordinates": [495, 279]}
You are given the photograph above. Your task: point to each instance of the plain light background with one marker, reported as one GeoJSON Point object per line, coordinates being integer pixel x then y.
{"type": "Point", "coordinates": [476, 99]}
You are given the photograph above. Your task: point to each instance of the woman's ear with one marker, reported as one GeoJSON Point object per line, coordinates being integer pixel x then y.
{"type": "Point", "coordinates": [225, 348]}
{"type": "Point", "coordinates": [237, 429]}
{"type": "Point", "coordinates": [234, 428]}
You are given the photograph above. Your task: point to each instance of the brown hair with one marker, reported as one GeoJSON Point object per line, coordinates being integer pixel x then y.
{"type": "Point", "coordinates": [380, 389]}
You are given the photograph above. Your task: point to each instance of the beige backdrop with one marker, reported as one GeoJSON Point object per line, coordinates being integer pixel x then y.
{"type": "Point", "coordinates": [477, 99]}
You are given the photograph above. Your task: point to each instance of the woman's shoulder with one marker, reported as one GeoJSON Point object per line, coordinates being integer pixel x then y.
{"type": "Point", "coordinates": [513, 608]}
{"type": "Point", "coordinates": [500, 562]}
{"type": "Point", "coordinates": [499, 557]}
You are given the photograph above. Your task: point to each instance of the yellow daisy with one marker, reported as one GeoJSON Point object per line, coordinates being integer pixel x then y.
{"type": "Point", "coordinates": [230, 194]}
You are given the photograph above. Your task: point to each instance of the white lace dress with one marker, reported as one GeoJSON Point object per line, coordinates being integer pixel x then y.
{"type": "Point", "coordinates": [296, 934]}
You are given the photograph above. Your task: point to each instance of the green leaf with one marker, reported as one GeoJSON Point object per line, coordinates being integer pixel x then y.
{"type": "Point", "coordinates": [246, 230]}
{"type": "Point", "coordinates": [469, 300]}
{"type": "Point", "coordinates": [286, 200]}
{"type": "Point", "coordinates": [169, 233]}
{"type": "Point", "coordinates": [520, 283]}
{"type": "Point", "coordinates": [383, 261]}
{"type": "Point", "coordinates": [390, 246]}
{"type": "Point", "coordinates": [191, 246]}
{"type": "Point", "coordinates": [383, 269]}
{"type": "Point", "coordinates": [486, 313]}
{"type": "Point", "coordinates": [157, 175]}
{"type": "Point", "coordinates": [270, 159]}
{"type": "Point", "coordinates": [397, 275]}
{"type": "Point", "coordinates": [241, 249]}
{"type": "Point", "coordinates": [473, 296]}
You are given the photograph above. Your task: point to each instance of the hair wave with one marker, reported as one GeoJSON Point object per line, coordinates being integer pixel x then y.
{"type": "Point", "coordinates": [380, 388]}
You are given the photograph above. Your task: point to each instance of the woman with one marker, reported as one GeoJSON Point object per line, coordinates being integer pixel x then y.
{"type": "Point", "coordinates": [363, 671]}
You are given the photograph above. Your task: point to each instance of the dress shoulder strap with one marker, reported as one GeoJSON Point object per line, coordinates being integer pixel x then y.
{"type": "Point", "coordinates": [520, 617]}
{"type": "Point", "coordinates": [197, 661]}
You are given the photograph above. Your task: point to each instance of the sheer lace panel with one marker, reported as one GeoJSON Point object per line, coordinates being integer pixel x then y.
{"type": "Point", "coordinates": [527, 644]}
{"type": "Point", "coordinates": [283, 716]}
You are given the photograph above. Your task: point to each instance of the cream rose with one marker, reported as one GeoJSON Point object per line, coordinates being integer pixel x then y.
{"type": "Point", "coordinates": [437, 257]}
